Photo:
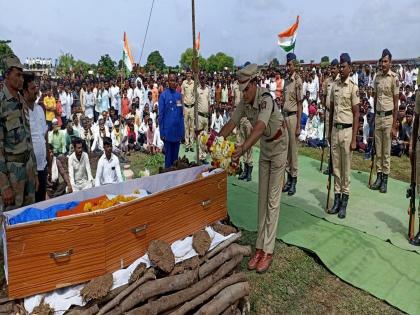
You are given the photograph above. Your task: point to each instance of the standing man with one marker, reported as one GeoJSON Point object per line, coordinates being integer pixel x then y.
{"type": "Point", "coordinates": [63, 99]}
{"type": "Point", "coordinates": [292, 111]}
{"type": "Point", "coordinates": [326, 95]}
{"type": "Point", "coordinates": [415, 147]}
{"type": "Point", "coordinates": [39, 130]}
{"type": "Point", "coordinates": [171, 120]}
{"type": "Point", "coordinates": [79, 168]}
{"type": "Point", "coordinates": [50, 108]}
{"type": "Point", "coordinates": [18, 176]}
{"type": "Point", "coordinates": [188, 98]}
{"type": "Point", "coordinates": [268, 127]}
{"type": "Point", "coordinates": [386, 91]}
{"type": "Point", "coordinates": [344, 123]}
{"type": "Point", "coordinates": [203, 104]}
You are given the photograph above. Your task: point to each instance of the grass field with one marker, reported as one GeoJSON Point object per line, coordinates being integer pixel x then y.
{"type": "Point", "coordinates": [298, 282]}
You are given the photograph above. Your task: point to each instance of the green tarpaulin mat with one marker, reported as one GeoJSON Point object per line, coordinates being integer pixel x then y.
{"type": "Point", "coordinates": [367, 262]}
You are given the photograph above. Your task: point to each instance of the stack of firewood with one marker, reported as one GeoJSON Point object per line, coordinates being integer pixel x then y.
{"type": "Point", "coordinates": [210, 283]}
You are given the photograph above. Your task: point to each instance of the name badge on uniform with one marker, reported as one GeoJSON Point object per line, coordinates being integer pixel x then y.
{"type": "Point", "coordinates": [178, 103]}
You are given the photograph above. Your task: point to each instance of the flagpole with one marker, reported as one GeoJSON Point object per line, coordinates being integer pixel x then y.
{"type": "Point", "coordinates": [195, 70]}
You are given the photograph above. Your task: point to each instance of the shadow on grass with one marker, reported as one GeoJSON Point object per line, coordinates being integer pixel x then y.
{"type": "Point", "coordinates": [393, 224]}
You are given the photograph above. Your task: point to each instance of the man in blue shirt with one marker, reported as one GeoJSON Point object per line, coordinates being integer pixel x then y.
{"type": "Point", "coordinates": [171, 121]}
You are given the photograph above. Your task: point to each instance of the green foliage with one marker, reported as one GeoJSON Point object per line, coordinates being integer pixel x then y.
{"type": "Point", "coordinates": [219, 61]}
{"type": "Point", "coordinates": [107, 67]}
{"type": "Point", "coordinates": [325, 61]}
{"type": "Point", "coordinates": [186, 58]}
{"type": "Point", "coordinates": [275, 63]}
{"type": "Point", "coordinates": [5, 51]}
{"type": "Point", "coordinates": [67, 64]}
{"type": "Point", "coordinates": [155, 61]}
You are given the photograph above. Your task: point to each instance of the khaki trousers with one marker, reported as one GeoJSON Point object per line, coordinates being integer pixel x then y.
{"type": "Point", "coordinates": [383, 126]}
{"type": "Point", "coordinates": [272, 165]}
{"type": "Point", "coordinates": [292, 154]}
{"type": "Point", "coordinates": [341, 158]}
{"type": "Point", "coordinates": [244, 130]}
{"type": "Point", "coordinates": [189, 126]}
{"type": "Point", "coordinates": [203, 124]}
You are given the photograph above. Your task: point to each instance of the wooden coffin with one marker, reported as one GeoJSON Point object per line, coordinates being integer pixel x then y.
{"type": "Point", "coordinates": [42, 256]}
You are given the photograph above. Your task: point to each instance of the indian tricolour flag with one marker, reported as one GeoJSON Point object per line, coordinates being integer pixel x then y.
{"type": "Point", "coordinates": [287, 38]}
{"type": "Point", "coordinates": [127, 56]}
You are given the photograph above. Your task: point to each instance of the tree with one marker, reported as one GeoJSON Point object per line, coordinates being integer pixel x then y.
{"type": "Point", "coordinates": [219, 62]}
{"type": "Point", "coordinates": [107, 67]}
{"type": "Point", "coordinates": [325, 61]}
{"type": "Point", "coordinates": [155, 61]}
{"type": "Point", "coordinates": [186, 58]}
{"type": "Point", "coordinates": [274, 63]}
{"type": "Point", "coordinates": [66, 63]}
{"type": "Point", "coordinates": [5, 51]}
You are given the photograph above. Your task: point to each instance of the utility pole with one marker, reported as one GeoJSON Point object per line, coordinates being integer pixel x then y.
{"type": "Point", "coordinates": [195, 71]}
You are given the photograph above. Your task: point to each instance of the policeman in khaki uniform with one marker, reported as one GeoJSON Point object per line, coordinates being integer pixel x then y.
{"type": "Point", "coordinates": [203, 106]}
{"type": "Point", "coordinates": [344, 123]}
{"type": "Point", "coordinates": [292, 111]}
{"type": "Point", "coordinates": [18, 175]}
{"type": "Point", "coordinates": [326, 94]}
{"type": "Point", "coordinates": [415, 145]}
{"type": "Point", "coordinates": [386, 89]}
{"type": "Point", "coordinates": [188, 97]}
{"type": "Point", "coordinates": [268, 126]}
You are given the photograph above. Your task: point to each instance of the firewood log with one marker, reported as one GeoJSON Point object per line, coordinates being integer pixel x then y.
{"type": "Point", "coordinates": [224, 299]}
{"type": "Point", "coordinates": [226, 254]}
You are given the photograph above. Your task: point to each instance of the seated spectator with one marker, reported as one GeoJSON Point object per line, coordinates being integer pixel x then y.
{"type": "Point", "coordinates": [108, 170]}
{"type": "Point", "coordinates": [150, 134]}
{"type": "Point", "coordinates": [117, 137]}
{"type": "Point", "coordinates": [79, 167]}
{"type": "Point", "coordinates": [309, 130]}
{"type": "Point", "coordinates": [70, 134]}
{"type": "Point", "coordinates": [57, 139]}
{"type": "Point", "coordinates": [99, 135]}
{"type": "Point", "coordinates": [157, 141]}
{"type": "Point", "coordinates": [315, 137]}
{"type": "Point", "coordinates": [86, 135]}
{"type": "Point", "coordinates": [132, 134]}
{"type": "Point", "coordinates": [397, 145]}
{"type": "Point", "coordinates": [56, 174]}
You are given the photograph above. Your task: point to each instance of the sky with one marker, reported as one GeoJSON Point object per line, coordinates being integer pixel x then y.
{"type": "Point", "coordinates": [245, 29]}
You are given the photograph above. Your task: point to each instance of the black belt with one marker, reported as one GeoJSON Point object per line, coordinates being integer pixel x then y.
{"type": "Point", "coordinates": [287, 114]}
{"type": "Point", "coordinates": [342, 126]}
{"type": "Point", "coordinates": [189, 106]}
{"type": "Point", "coordinates": [384, 114]}
{"type": "Point", "coordinates": [18, 158]}
{"type": "Point", "coordinates": [203, 115]}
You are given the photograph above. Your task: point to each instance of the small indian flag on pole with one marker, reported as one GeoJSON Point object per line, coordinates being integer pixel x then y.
{"type": "Point", "coordinates": [197, 44]}
{"type": "Point", "coordinates": [287, 38]}
{"type": "Point", "coordinates": [127, 56]}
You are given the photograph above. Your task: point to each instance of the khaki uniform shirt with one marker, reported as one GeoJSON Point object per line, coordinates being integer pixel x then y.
{"type": "Point", "coordinates": [327, 88]}
{"type": "Point", "coordinates": [417, 107]}
{"type": "Point", "coordinates": [292, 92]}
{"type": "Point", "coordinates": [262, 109]}
{"type": "Point", "coordinates": [385, 87]}
{"type": "Point", "coordinates": [203, 100]}
{"type": "Point", "coordinates": [15, 134]}
{"type": "Point", "coordinates": [187, 91]}
{"type": "Point", "coordinates": [344, 96]}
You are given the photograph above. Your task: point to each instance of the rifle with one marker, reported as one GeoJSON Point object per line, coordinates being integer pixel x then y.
{"type": "Point", "coordinates": [327, 206]}
{"type": "Point", "coordinates": [373, 151]}
{"type": "Point", "coordinates": [323, 143]}
{"type": "Point", "coordinates": [411, 193]}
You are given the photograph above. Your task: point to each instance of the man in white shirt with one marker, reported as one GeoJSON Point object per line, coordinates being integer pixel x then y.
{"type": "Point", "coordinates": [69, 102]}
{"type": "Point", "coordinates": [39, 131]}
{"type": "Point", "coordinates": [99, 133]}
{"type": "Point", "coordinates": [108, 170]}
{"type": "Point", "coordinates": [89, 103]}
{"type": "Point", "coordinates": [139, 92]}
{"type": "Point", "coordinates": [217, 123]}
{"type": "Point", "coordinates": [79, 168]}
{"type": "Point", "coordinates": [113, 91]}
{"type": "Point", "coordinates": [63, 99]}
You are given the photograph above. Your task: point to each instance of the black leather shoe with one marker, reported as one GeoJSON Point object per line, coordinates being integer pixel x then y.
{"type": "Point", "coordinates": [286, 187]}
{"type": "Point", "coordinates": [244, 174]}
{"type": "Point", "coordinates": [292, 189]}
{"type": "Point", "coordinates": [378, 182]}
{"type": "Point", "coordinates": [336, 205]}
{"type": "Point", "coordinates": [384, 184]}
{"type": "Point", "coordinates": [416, 240]}
{"type": "Point", "coordinates": [249, 175]}
{"type": "Point", "coordinates": [343, 206]}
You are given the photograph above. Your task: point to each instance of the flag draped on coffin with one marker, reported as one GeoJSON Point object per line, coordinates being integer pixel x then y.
{"type": "Point", "coordinates": [127, 56]}
{"type": "Point", "coordinates": [287, 38]}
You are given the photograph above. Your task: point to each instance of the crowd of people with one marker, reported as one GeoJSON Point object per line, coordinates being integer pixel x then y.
{"type": "Point", "coordinates": [77, 116]}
